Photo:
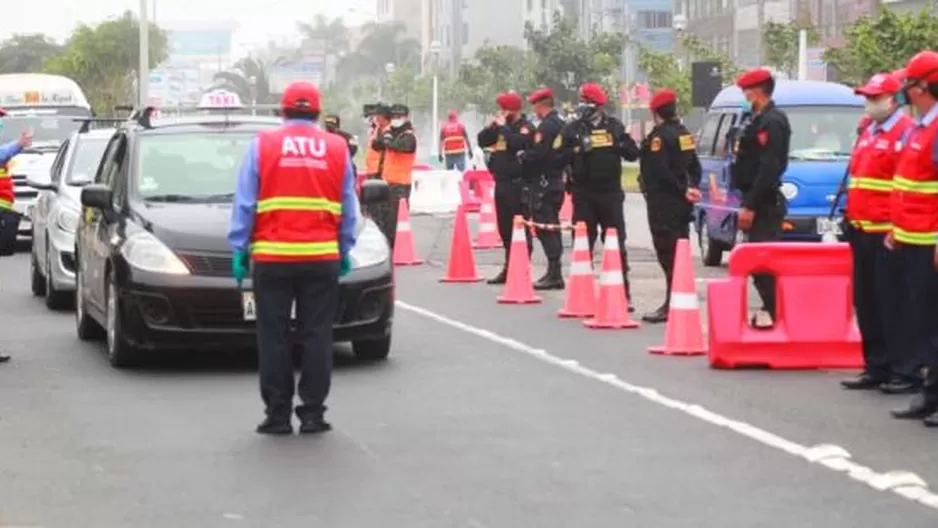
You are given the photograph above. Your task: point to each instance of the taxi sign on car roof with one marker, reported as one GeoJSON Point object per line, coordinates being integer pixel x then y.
{"type": "Point", "coordinates": [220, 99]}
{"type": "Point", "coordinates": [37, 97]}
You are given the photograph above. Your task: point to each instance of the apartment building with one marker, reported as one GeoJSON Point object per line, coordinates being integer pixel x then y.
{"type": "Point", "coordinates": [830, 17]}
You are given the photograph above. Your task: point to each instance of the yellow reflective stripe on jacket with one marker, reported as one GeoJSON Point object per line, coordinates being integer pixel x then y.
{"type": "Point", "coordinates": [296, 203]}
{"type": "Point", "coordinates": [869, 184]}
{"type": "Point", "coordinates": [4, 173]}
{"type": "Point", "coordinates": [872, 227]}
{"type": "Point", "coordinates": [915, 239]}
{"type": "Point", "coordinates": [295, 249]}
{"type": "Point", "coordinates": [4, 204]}
{"type": "Point", "coordinates": [923, 187]}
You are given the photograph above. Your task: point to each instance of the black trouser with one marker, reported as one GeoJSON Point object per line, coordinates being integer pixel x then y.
{"type": "Point", "coordinates": [313, 286]}
{"type": "Point", "coordinates": [508, 204]}
{"type": "Point", "coordinates": [668, 221]}
{"type": "Point", "coordinates": [545, 209]}
{"type": "Point", "coordinates": [385, 215]}
{"type": "Point", "coordinates": [919, 301]}
{"type": "Point", "coordinates": [767, 227]}
{"type": "Point", "coordinates": [9, 228]}
{"type": "Point", "coordinates": [602, 209]}
{"type": "Point", "coordinates": [877, 298]}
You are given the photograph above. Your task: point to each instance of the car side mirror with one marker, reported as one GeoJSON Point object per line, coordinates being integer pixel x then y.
{"type": "Point", "coordinates": [97, 196]}
{"type": "Point", "coordinates": [40, 185]}
{"type": "Point", "coordinates": [374, 192]}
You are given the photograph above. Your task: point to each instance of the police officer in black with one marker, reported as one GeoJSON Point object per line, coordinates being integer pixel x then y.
{"type": "Point", "coordinates": [761, 159]}
{"type": "Point", "coordinates": [506, 135]}
{"type": "Point", "coordinates": [669, 176]}
{"type": "Point", "coordinates": [599, 143]}
{"type": "Point", "coordinates": [543, 165]}
{"type": "Point", "coordinates": [333, 124]}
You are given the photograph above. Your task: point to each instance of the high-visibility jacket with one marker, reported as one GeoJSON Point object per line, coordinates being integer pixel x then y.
{"type": "Point", "coordinates": [453, 138]}
{"type": "Point", "coordinates": [872, 167]}
{"type": "Point", "coordinates": [398, 166]}
{"type": "Point", "coordinates": [299, 199]}
{"type": "Point", "coordinates": [372, 156]}
{"type": "Point", "coordinates": [915, 189]}
{"type": "Point", "coordinates": [7, 195]}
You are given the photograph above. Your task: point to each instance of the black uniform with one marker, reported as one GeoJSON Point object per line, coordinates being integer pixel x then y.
{"type": "Point", "coordinates": [761, 159]}
{"type": "Point", "coordinates": [506, 141]}
{"type": "Point", "coordinates": [543, 165]}
{"type": "Point", "coordinates": [397, 139]}
{"type": "Point", "coordinates": [669, 166]}
{"type": "Point", "coordinates": [599, 145]}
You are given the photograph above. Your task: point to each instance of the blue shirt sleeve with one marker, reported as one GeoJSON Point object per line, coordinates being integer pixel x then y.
{"type": "Point", "coordinates": [347, 235]}
{"type": "Point", "coordinates": [8, 150]}
{"type": "Point", "coordinates": [244, 209]}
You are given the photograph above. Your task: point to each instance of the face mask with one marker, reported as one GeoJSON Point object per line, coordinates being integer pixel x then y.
{"type": "Point", "coordinates": [396, 123]}
{"type": "Point", "coordinates": [746, 105]}
{"type": "Point", "coordinates": [902, 98]}
{"type": "Point", "coordinates": [880, 109]}
{"type": "Point", "coordinates": [585, 110]}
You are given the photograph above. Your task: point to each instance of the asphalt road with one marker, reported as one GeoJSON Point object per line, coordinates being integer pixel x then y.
{"type": "Point", "coordinates": [486, 416]}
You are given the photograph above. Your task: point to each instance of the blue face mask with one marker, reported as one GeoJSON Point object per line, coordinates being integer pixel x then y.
{"type": "Point", "coordinates": [746, 105]}
{"type": "Point", "coordinates": [900, 98]}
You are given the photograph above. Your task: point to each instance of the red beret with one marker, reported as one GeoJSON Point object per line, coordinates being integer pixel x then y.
{"type": "Point", "coordinates": [900, 74]}
{"type": "Point", "coordinates": [880, 84]}
{"type": "Point", "coordinates": [662, 98]}
{"type": "Point", "coordinates": [593, 93]}
{"type": "Point", "coordinates": [509, 101]}
{"type": "Point", "coordinates": [540, 95]}
{"type": "Point", "coordinates": [753, 78]}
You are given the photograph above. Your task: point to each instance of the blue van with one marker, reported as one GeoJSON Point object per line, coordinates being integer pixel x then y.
{"type": "Point", "coordinates": [823, 118]}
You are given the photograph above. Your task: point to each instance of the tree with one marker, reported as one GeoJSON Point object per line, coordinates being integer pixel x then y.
{"type": "Point", "coordinates": [332, 33]}
{"type": "Point", "coordinates": [494, 69]}
{"type": "Point", "coordinates": [382, 44]}
{"type": "Point", "coordinates": [664, 70]}
{"type": "Point", "coordinates": [880, 43]}
{"type": "Point", "coordinates": [25, 53]}
{"type": "Point", "coordinates": [247, 78]}
{"type": "Point", "coordinates": [103, 59]}
{"type": "Point", "coordinates": [780, 42]}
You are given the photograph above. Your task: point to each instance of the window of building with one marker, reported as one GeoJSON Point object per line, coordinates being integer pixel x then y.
{"type": "Point", "coordinates": [655, 20]}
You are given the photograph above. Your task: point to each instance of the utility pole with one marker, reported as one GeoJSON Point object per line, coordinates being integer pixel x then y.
{"type": "Point", "coordinates": [627, 64]}
{"type": "Point", "coordinates": [143, 81]}
{"type": "Point", "coordinates": [760, 22]}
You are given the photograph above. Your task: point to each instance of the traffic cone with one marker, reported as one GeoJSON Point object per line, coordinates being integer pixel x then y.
{"type": "Point", "coordinates": [462, 263]}
{"type": "Point", "coordinates": [581, 286]}
{"type": "Point", "coordinates": [518, 288]}
{"type": "Point", "coordinates": [566, 210]}
{"type": "Point", "coordinates": [488, 237]}
{"type": "Point", "coordinates": [613, 306]}
{"type": "Point", "coordinates": [404, 252]}
{"type": "Point", "coordinates": [684, 334]}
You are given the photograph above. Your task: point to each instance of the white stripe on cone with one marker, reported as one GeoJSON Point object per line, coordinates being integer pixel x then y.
{"type": "Point", "coordinates": [581, 244]}
{"type": "Point", "coordinates": [517, 234]}
{"type": "Point", "coordinates": [581, 268]}
{"type": "Point", "coordinates": [612, 243]}
{"type": "Point", "coordinates": [611, 278]}
{"type": "Point", "coordinates": [403, 226]}
{"type": "Point", "coordinates": [684, 301]}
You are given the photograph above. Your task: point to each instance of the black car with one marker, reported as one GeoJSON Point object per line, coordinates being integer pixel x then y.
{"type": "Point", "coordinates": [153, 263]}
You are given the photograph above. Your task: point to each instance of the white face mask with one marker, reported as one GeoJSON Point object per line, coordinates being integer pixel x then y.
{"type": "Point", "coordinates": [879, 109]}
{"type": "Point", "coordinates": [397, 122]}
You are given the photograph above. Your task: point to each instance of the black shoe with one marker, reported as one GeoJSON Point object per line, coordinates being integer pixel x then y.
{"type": "Point", "coordinates": [501, 278]}
{"type": "Point", "coordinates": [863, 382]}
{"type": "Point", "coordinates": [553, 279]}
{"type": "Point", "coordinates": [4, 359]}
{"type": "Point", "coordinates": [900, 386]}
{"type": "Point", "coordinates": [931, 420]}
{"type": "Point", "coordinates": [917, 410]}
{"type": "Point", "coordinates": [314, 425]}
{"type": "Point", "coordinates": [275, 426]}
{"type": "Point", "coordinates": [658, 316]}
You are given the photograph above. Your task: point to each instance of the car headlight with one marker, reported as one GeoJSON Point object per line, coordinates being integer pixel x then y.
{"type": "Point", "coordinates": [145, 252]}
{"type": "Point", "coordinates": [789, 190]}
{"type": "Point", "coordinates": [67, 220]}
{"type": "Point", "coordinates": [371, 248]}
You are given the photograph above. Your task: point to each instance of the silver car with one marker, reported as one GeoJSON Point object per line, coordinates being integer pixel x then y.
{"type": "Point", "coordinates": [56, 212]}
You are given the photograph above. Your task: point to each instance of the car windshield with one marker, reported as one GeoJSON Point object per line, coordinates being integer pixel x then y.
{"type": "Point", "coordinates": [49, 130]}
{"type": "Point", "coordinates": [820, 133]}
{"type": "Point", "coordinates": [85, 160]}
{"type": "Point", "coordinates": [190, 166]}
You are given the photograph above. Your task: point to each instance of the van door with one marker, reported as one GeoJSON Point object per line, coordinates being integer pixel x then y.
{"type": "Point", "coordinates": [714, 213]}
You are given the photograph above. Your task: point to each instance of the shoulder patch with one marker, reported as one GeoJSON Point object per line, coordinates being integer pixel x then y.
{"type": "Point", "coordinates": [524, 131]}
{"type": "Point", "coordinates": [763, 137]}
{"type": "Point", "coordinates": [558, 142]}
{"type": "Point", "coordinates": [538, 137]}
{"type": "Point", "coordinates": [687, 142]}
{"type": "Point", "coordinates": [656, 144]}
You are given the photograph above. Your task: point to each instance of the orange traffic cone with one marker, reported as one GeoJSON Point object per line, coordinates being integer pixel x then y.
{"type": "Point", "coordinates": [684, 334]}
{"type": "Point", "coordinates": [566, 210]}
{"type": "Point", "coordinates": [518, 287]}
{"type": "Point", "coordinates": [462, 263]}
{"type": "Point", "coordinates": [613, 308]}
{"type": "Point", "coordinates": [404, 252]}
{"type": "Point", "coordinates": [488, 223]}
{"type": "Point", "coordinates": [581, 286]}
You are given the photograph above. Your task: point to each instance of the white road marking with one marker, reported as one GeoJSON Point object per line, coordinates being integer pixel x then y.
{"type": "Point", "coordinates": [903, 483]}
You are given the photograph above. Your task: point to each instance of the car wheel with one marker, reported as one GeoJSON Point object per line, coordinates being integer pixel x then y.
{"type": "Point", "coordinates": [711, 251]}
{"type": "Point", "coordinates": [55, 299]}
{"type": "Point", "coordinates": [119, 352]}
{"type": "Point", "coordinates": [37, 281]}
{"type": "Point", "coordinates": [372, 350]}
{"type": "Point", "coordinates": [87, 328]}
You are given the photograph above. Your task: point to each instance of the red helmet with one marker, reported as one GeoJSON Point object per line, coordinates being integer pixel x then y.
{"type": "Point", "coordinates": [301, 95]}
{"type": "Point", "coordinates": [923, 67]}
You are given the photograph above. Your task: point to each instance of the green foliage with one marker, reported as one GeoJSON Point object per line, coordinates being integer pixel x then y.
{"type": "Point", "coordinates": [493, 70]}
{"type": "Point", "coordinates": [103, 59]}
{"type": "Point", "coordinates": [883, 42]}
{"type": "Point", "coordinates": [247, 78]}
{"type": "Point", "coordinates": [26, 53]}
{"type": "Point", "coordinates": [382, 44]}
{"type": "Point", "coordinates": [780, 42]}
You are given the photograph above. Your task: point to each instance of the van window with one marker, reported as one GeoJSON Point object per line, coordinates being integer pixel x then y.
{"type": "Point", "coordinates": [725, 125]}
{"type": "Point", "coordinates": [822, 132]}
{"type": "Point", "coordinates": [708, 134]}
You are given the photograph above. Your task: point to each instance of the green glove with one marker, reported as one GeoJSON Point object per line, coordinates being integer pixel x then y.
{"type": "Point", "coordinates": [239, 266]}
{"type": "Point", "coordinates": [345, 265]}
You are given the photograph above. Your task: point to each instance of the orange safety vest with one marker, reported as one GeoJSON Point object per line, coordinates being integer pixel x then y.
{"type": "Point", "coordinates": [7, 192]}
{"type": "Point", "coordinates": [299, 199]}
{"type": "Point", "coordinates": [915, 189]}
{"type": "Point", "coordinates": [398, 166]}
{"type": "Point", "coordinates": [453, 137]}
{"type": "Point", "coordinates": [372, 156]}
{"type": "Point", "coordinates": [869, 192]}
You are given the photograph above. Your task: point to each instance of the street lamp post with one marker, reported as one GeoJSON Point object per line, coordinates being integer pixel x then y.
{"type": "Point", "coordinates": [143, 82]}
{"type": "Point", "coordinates": [435, 107]}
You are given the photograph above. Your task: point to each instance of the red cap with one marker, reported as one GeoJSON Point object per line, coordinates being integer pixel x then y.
{"type": "Point", "coordinates": [899, 74]}
{"type": "Point", "coordinates": [880, 84]}
{"type": "Point", "coordinates": [509, 101]}
{"type": "Point", "coordinates": [593, 93]}
{"type": "Point", "coordinates": [661, 98]}
{"type": "Point", "coordinates": [753, 78]}
{"type": "Point", "coordinates": [540, 94]}
{"type": "Point", "coordinates": [301, 95]}
{"type": "Point", "coordinates": [923, 66]}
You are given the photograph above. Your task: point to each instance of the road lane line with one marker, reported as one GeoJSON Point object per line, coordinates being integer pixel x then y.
{"type": "Point", "coordinates": [903, 483]}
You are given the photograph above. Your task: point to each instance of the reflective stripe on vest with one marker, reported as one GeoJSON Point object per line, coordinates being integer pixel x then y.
{"type": "Point", "coordinates": [915, 190]}
{"type": "Point", "coordinates": [295, 249]}
{"type": "Point", "coordinates": [295, 203]}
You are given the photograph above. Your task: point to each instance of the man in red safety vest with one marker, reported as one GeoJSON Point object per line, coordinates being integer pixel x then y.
{"type": "Point", "coordinates": [877, 278]}
{"type": "Point", "coordinates": [294, 214]}
{"type": "Point", "coordinates": [914, 212]}
{"type": "Point", "coordinates": [454, 143]}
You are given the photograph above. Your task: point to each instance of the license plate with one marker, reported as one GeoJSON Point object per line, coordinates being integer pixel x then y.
{"type": "Point", "coordinates": [825, 225]}
{"type": "Point", "coordinates": [249, 307]}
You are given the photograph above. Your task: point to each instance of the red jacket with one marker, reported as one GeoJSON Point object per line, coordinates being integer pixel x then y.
{"type": "Point", "coordinates": [7, 195]}
{"type": "Point", "coordinates": [299, 199]}
{"type": "Point", "coordinates": [915, 189]}
{"type": "Point", "coordinates": [872, 168]}
{"type": "Point", "coordinates": [453, 138]}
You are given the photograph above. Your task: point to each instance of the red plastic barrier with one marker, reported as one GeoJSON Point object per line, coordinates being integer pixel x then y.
{"type": "Point", "coordinates": [470, 202]}
{"type": "Point", "coordinates": [476, 178]}
{"type": "Point", "coordinates": [422, 167]}
{"type": "Point", "coordinates": [814, 327]}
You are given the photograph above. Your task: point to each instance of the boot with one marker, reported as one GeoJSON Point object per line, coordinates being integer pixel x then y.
{"type": "Point", "coordinates": [501, 278]}
{"type": "Point", "coordinates": [553, 279]}
{"type": "Point", "coordinates": [628, 290]}
{"type": "Point", "coordinates": [658, 316]}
